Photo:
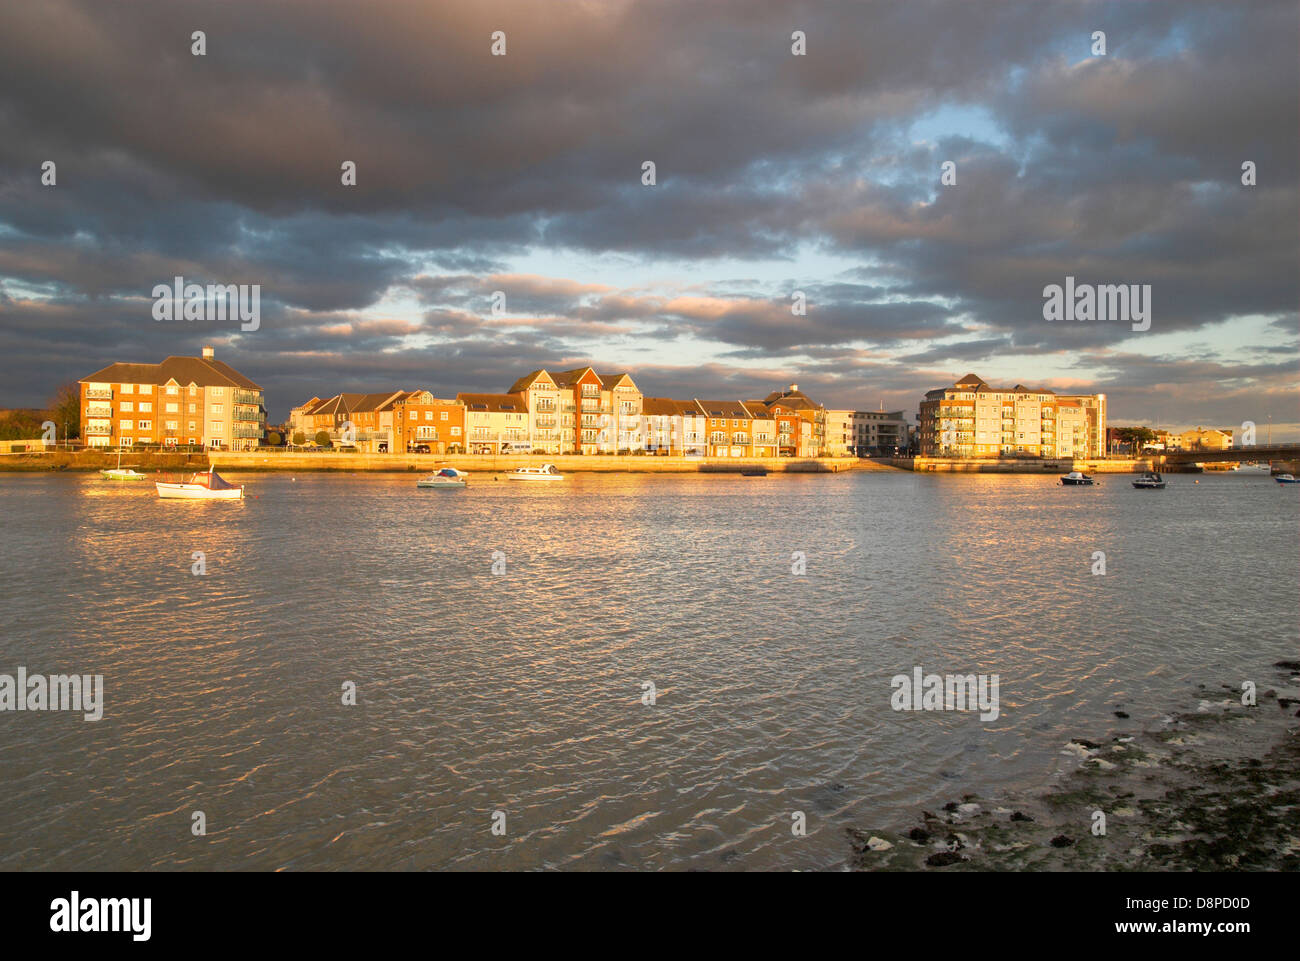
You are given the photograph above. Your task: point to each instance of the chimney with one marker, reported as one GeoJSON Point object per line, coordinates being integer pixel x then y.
{"type": "Point", "coordinates": [208, 352]}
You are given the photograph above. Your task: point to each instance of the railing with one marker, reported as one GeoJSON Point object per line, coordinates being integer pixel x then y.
{"type": "Point", "coordinates": [99, 431]}
{"type": "Point", "coordinates": [99, 411]}
{"type": "Point", "coordinates": [251, 397]}
{"type": "Point", "coordinates": [248, 432]}
{"type": "Point", "coordinates": [99, 394]}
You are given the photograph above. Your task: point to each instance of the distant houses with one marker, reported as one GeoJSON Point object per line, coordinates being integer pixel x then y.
{"type": "Point", "coordinates": [200, 401]}
{"type": "Point", "coordinates": [584, 411]}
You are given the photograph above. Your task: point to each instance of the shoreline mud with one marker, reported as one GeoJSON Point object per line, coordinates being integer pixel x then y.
{"type": "Point", "coordinates": [1214, 787]}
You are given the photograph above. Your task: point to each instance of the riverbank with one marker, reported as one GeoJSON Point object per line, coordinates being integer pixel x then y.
{"type": "Point", "coordinates": [95, 460]}
{"type": "Point", "coordinates": [300, 461]}
{"type": "Point", "coordinates": [1216, 787]}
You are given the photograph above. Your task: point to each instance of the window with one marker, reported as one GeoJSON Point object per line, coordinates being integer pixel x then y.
{"type": "Point", "coordinates": [218, 427]}
{"type": "Point", "coordinates": [192, 426]}
{"type": "Point", "coordinates": [194, 409]}
{"type": "Point", "coordinates": [173, 408]}
{"type": "Point", "coordinates": [172, 390]}
{"type": "Point", "coordinates": [444, 415]}
{"type": "Point", "coordinates": [128, 407]}
{"type": "Point", "coordinates": [146, 388]}
{"type": "Point", "coordinates": [146, 407]}
{"type": "Point", "coordinates": [193, 390]}
{"type": "Point", "coordinates": [128, 388]}
{"type": "Point", "coordinates": [414, 415]}
{"type": "Point", "coordinates": [172, 425]}
{"type": "Point", "coordinates": [455, 432]}
{"type": "Point", "coordinates": [125, 425]}
{"type": "Point", "coordinates": [218, 391]}
{"type": "Point", "coordinates": [146, 425]}
{"type": "Point", "coordinates": [218, 408]}
{"type": "Point", "coordinates": [428, 415]}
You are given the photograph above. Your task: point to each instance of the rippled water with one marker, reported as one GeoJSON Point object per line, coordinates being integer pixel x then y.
{"type": "Point", "coordinates": [522, 693]}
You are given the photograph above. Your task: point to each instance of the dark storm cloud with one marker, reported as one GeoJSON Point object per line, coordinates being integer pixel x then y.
{"type": "Point", "coordinates": [225, 168]}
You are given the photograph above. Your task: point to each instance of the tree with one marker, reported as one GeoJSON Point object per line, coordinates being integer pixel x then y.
{"type": "Point", "coordinates": [323, 439]}
{"type": "Point", "coordinates": [65, 409]}
{"type": "Point", "coordinates": [299, 438]}
{"type": "Point", "coordinates": [273, 438]}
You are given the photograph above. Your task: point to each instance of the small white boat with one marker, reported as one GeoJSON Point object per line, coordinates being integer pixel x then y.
{"type": "Point", "coordinates": [1076, 479]}
{"type": "Point", "coordinates": [120, 473]}
{"type": "Point", "coordinates": [1253, 470]}
{"type": "Point", "coordinates": [1285, 479]}
{"type": "Point", "coordinates": [547, 472]}
{"type": "Point", "coordinates": [446, 479]}
{"type": "Point", "coordinates": [206, 485]}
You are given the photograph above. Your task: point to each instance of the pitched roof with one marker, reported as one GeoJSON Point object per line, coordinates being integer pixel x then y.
{"type": "Point", "coordinates": [613, 380]}
{"type": "Point", "coordinates": [204, 372]}
{"type": "Point", "coordinates": [660, 406]}
{"type": "Point", "coordinates": [567, 378]}
{"type": "Point", "coordinates": [507, 403]}
{"type": "Point", "coordinates": [725, 408]}
{"type": "Point", "coordinates": [523, 383]}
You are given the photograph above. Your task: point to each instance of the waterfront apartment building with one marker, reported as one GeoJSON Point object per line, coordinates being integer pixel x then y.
{"type": "Point", "coordinates": [419, 419]}
{"type": "Point", "coordinates": [581, 411]}
{"type": "Point", "coordinates": [380, 422]}
{"type": "Point", "coordinates": [972, 419]}
{"type": "Point", "coordinates": [880, 432]}
{"type": "Point", "coordinates": [734, 428]}
{"type": "Point", "coordinates": [495, 423]}
{"type": "Point", "coordinates": [809, 443]}
{"type": "Point", "coordinates": [673, 427]}
{"type": "Point", "coordinates": [839, 433]}
{"type": "Point", "coordinates": [182, 400]}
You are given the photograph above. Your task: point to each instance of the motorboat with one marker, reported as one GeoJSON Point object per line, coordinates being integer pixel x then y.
{"type": "Point", "coordinates": [1260, 470]}
{"type": "Point", "coordinates": [446, 479]}
{"type": "Point", "coordinates": [547, 472]}
{"type": "Point", "coordinates": [1150, 481]}
{"type": "Point", "coordinates": [205, 485]}
{"type": "Point", "coordinates": [1285, 479]}
{"type": "Point", "coordinates": [1076, 478]}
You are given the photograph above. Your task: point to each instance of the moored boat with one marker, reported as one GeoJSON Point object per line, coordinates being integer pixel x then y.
{"type": "Point", "coordinates": [1150, 481]}
{"type": "Point", "coordinates": [446, 479]}
{"type": "Point", "coordinates": [1076, 479]}
{"type": "Point", "coordinates": [205, 485]}
{"type": "Point", "coordinates": [547, 472]}
{"type": "Point", "coordinates": [120, 473]}
{"type": "Point", "coordinates": [1285, 479]}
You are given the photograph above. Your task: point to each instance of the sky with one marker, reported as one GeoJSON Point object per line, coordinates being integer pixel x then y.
{"type": "Point", "coordinates": [522, 174]}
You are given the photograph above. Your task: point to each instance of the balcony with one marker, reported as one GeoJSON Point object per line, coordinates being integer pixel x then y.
{"type": "Point", "coordinates": [248, 432]}
{"type": "Point", "coordinates": [99, 394]}
{"type": "Point", "coordinates": [99, 410]}
{"type": "Point", "coordinates": [251, 397]}
{"type": "Point", "coordinates": [100, 431]}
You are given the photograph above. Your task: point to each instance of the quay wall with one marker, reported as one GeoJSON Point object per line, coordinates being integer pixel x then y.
{"type": "Point", "coordinates": [275, 459]}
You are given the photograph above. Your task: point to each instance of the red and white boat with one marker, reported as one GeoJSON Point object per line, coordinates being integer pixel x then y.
{"type": "Point", "coordinates": [207, 485]}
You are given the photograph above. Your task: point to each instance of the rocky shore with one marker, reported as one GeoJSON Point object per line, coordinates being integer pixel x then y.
{"type": "Point", "coordinates": [1215, 787]}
